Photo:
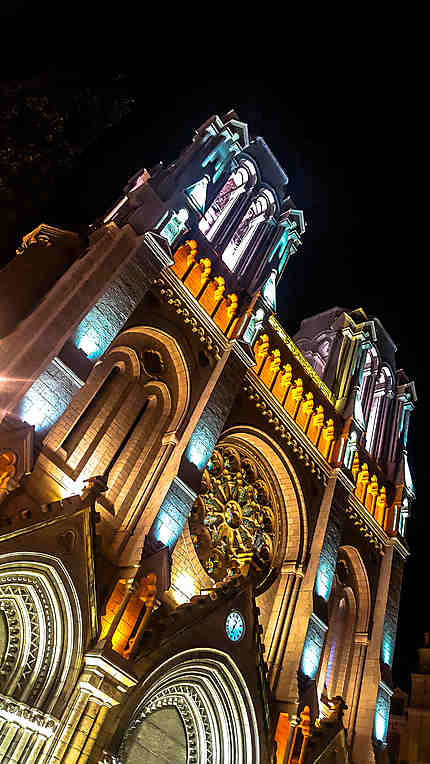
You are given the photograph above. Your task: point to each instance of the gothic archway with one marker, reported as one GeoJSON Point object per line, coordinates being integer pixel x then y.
{"type": "Point", "coordinates": [346, 642]}
{"type": "Point", "coordinates": [137, 394]}
{"type": "Point", "coordinates": [213, 702]}
{"type": "Point", "coordinates": [41, 631]}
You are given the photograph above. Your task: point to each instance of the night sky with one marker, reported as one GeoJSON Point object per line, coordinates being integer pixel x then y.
{"type": "Point", "coordinates": [348, 145]}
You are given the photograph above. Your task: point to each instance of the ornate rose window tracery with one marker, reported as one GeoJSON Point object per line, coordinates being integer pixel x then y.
{"type": "Point", "coordinates": [234, 518]}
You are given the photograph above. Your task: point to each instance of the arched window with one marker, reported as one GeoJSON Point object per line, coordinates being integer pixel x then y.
{"type": "Point", "coordinates": [339, 646]}
{"type": "Point", "coordinates": [244, 177]}
{"type": "Point", "coordinates": [369, 372]}
{"type": "Point", "coordinates": [259, 210]}
{"type": "Point", "coordinates": [377, 412]}
{"type": "Point", "coordinates": [348, 624]}
{"type": "Point", "coordinates": [373, 399]}
{"type": "Point", "coordinates": [117, 423]}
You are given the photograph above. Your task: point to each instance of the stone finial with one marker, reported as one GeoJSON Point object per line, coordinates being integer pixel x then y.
{"type": "Point", "coordinates": [47, 236]}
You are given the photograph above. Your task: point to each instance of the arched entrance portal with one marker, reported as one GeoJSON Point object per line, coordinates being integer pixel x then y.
{"type": "Point", "coordinates": [203, 691]}
{"type": "Point", "coordinates": [159, 738]}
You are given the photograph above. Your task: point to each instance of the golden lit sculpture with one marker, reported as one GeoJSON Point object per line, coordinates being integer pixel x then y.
{"type": "Point", "coordinates": [7, 467]}
{"type": "Point", "coordinates": [127, 613]}
{"type": "Point", "coordinates": [355, 469]}
{"type": "Point", "coordinates": [362, 481]}
{"type": "Point", "coordinates": [233, 517]}
{"type": "Point", "coordinates": [316, 424]}
{"type": "Point", "coordinates": [261, 349]}
{"type": "Point", "coordinates": [371, 494]}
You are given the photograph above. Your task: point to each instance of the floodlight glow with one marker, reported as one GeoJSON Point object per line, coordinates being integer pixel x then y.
{"type": "Point", "coordinates": [88, 345]}
{"type": "Point", "coordinates": [324, 579]}
{"type": "Point", "coordinates": [34, 415]}
{"type": "Point", "coordinates": [184, 588]}
{"type": "Point", "coordinates": [198, 453]}
{"type": "Point", "coordinates": [164, 534]}
{"type": "Point", "coordinates": [310, 661]}
{"type": "Point", "coordinates": [380, 727]}
{"type": "Point", "coordinates": [174, 226]}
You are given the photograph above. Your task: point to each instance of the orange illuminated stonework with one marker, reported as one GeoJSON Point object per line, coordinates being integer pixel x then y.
{"type": "Point", "coordinates": [128, 607]}
{"type": "Point", "coordinates": [318, 423]}
{"type": "Point", "coordinates": [208, 290]}
{"type": "Point", "coordinates": [7, 467]}
{"type": "Point", "coordinates": [281, 737]}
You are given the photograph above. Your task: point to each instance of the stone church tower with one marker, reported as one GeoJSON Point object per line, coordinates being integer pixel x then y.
{"type": "Point", "coordinates": [202, 519]}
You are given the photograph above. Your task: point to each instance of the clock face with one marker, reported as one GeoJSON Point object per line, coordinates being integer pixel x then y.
{"type": "Point", "coordinates": [235, 626]}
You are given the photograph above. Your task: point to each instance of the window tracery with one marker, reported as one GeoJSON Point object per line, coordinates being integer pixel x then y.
{"type": "Point", "coordinates": [225, 200]}
{"type": "Point", "coordinates": [373, 398]}
{"type": "Point", "coordinates": [258, 211]}
{"type": "Point", "coordinates": [234, 516]}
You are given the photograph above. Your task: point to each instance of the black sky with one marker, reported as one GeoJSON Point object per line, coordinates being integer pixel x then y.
{"type": "Point", "coordinates": [350, 142]}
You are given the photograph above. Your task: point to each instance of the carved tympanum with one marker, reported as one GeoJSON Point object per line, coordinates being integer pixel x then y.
{"type": "Point", "coordinates": [233, 517]}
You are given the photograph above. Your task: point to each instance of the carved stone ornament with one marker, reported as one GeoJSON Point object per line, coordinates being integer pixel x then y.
{"type": "Point", "coordinates": [7, 468]}
{"type": "Point", "coordinates": [26, 716]}
{"type": "Point", "coordinates": [233, 518]}
{"type": "Point", "coordinates": [47, 236]}
{"type": "Point", "coordinates": [67, 541]}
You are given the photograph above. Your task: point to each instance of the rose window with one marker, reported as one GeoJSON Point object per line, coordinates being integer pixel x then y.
{"type": "Point", "coordinates": [233, 521]}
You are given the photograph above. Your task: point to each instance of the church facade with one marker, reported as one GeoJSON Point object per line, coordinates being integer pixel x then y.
{"type": "Point", "coordinates": [202, 519]}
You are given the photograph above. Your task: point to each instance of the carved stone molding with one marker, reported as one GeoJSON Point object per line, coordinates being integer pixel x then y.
{"type": "Point", "coordinates": [213, 702]}
{"type": "Point", "coordinates": [296, 444]}
{"type": "Point", "coordinates": [189, 318]}
{"type": "Point", "coordinates": [47, 236]}
{"type": "Point", "coordinates": [27, 717]}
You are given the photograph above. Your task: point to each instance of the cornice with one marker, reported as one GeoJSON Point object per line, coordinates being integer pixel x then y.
{"type": "Point", "coordinates": [173, 291]}
{"type": "Point", "coordinates": [361, 516]}
{"type": "Point", "coordinates": [17, 712]}
{"type": "Point", "coordinates": [401, 548]}
{"type": "Point", "coordinates": [286, 428]}
{"type": "Point", "coordinates": [159, 247]}
{"type": "Point", "coordinates": [98, 661]}
{"type": "Point", "coordinates": [298, 355]}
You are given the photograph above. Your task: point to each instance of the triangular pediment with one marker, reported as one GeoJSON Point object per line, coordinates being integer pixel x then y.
{"type": "Point", "coordinates": [63, 530]}
{"type": "Point", "coordinates": [197, 194]}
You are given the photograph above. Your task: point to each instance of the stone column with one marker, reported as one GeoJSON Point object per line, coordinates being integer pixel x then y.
{"type": "Point", "coordinates": [25, 732]}
{"type": "Point", "coordinates": [354, 687]}
{"type": "Point", "coordinates": [362, 737]}
{"type": "Point", "coordinates": [100, 687]}
{"type": "Point", "coordinates": [282, 614]}
{"type": "Point", "coordinates": [294, 629]}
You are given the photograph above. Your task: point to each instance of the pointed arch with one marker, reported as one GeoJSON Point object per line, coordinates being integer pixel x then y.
{"type": "Point", "coordinates": [213, 700]}
{"type": "Point", "coordinates": [116, 425]}
{"type": "Point", "coordinates": [360, 587]}
{"type": "Point", "coordinates": [43, 651]}
{"type": "Point", "coordinates": [342, 660]}
{"type": "Point", "coordinates": [216, 216]}
{"type": "Point", "coordinates": [290, 548]}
